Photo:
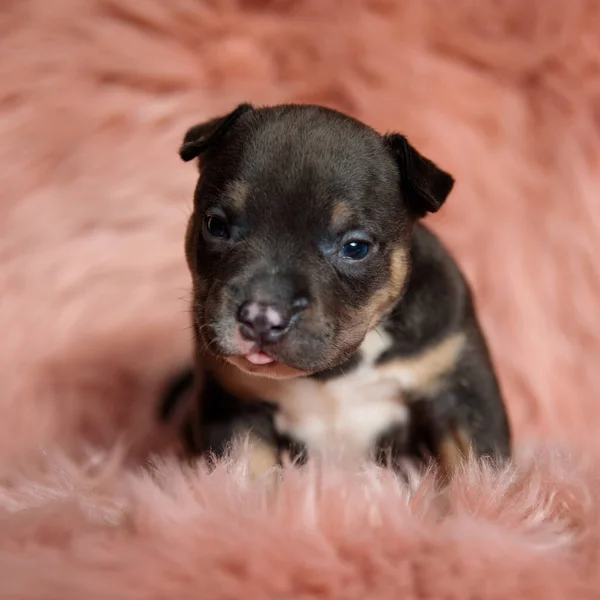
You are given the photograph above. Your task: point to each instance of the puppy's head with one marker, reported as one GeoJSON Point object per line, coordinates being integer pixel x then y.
{"type": "Point", "coordinates": [300, 236]}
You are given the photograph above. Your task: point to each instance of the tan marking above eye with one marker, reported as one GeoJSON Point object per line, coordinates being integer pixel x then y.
{"type": "Point", "coordinates": [237, 193]}
{"type": "Point", "coordinates": [340, 214]}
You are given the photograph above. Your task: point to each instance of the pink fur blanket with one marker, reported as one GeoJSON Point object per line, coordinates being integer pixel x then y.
{"type": "Point", "coordinates": [94, 99]}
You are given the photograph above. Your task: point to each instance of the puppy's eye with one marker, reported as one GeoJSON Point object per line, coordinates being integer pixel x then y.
{"type": "Point", "coordinates": [216, 226]}
{"type": "Point", "coordinates": [355, 250]}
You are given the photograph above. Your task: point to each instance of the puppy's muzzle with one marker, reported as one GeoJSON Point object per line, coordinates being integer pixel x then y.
{"type": "Point", "coordinates": [267, 323]}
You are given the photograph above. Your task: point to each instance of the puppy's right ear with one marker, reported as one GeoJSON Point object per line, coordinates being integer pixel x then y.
{"type": "Point", "coordinates": [204, 135]}
{"type": "Point", "coordinates": [425, 186]}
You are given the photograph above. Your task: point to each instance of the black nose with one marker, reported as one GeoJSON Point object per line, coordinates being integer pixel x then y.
{"type": "Point", "coordinates": [266, 323]}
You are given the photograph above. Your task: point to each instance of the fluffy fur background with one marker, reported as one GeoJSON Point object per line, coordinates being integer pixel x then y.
{"type": "Point", "coordinates": [94, 99]}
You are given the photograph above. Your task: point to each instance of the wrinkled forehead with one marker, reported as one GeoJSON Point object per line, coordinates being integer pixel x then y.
{"type": "Point", "coordinates": [329, 155]}
{"type": "Point", "coordinates": [308, 175]}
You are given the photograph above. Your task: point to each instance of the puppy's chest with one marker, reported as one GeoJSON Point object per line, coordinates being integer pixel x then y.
{"type": "Point", "coordinates": [347, 413]}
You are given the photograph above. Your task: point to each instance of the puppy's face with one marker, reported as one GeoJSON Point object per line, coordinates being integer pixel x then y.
{"type": "Point", "coordinates": [300, 236]}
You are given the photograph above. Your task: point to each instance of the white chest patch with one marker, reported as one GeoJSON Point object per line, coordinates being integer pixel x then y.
{"type": "Point", "coordinates": [347, 413]}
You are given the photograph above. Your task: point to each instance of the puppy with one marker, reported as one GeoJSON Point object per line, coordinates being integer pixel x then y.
{"type": "Point", "coordinates": [325, 314]}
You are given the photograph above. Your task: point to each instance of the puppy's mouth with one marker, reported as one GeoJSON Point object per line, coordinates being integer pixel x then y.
{"type": "Point", "coordinates": [252, 354]}
{"type": "Point", "coordinates": [254, 360]}
{"type": "Point", "coordinates": [250, 357]}
{"type": "Point", "coordinates": [259, 358]}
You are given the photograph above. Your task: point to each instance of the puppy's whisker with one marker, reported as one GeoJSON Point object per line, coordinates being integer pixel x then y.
{"type": "Point", "coordinates": [186, 212]}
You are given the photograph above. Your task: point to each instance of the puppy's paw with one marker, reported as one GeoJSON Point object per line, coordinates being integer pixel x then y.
{"type": "Point", "coordinates": [455, 449]}
{"type": "Point", "coordinates": [260, 460]}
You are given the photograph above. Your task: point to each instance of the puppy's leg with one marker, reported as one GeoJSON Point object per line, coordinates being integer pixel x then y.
{"type": "Point", "coordinates": [175, 395]}
{"type": "Point", "coordinates": [456, 409]}
{"type": "Point", "coordinates": [459, 422]}
{"type": "Point", "coordinates": [179, 407]}
{"type": "Point", "coordinates": [454, 448]}
{"type": "Point", "coordinates": [225, 426]}
{"type": "Point", "coordinates": [246, 437]}
{"type": "Point", "coordinates": [260, 455]}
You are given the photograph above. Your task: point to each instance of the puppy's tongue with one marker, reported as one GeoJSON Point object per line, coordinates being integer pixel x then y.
{"type": "Point", "coordinates": [259, 358]}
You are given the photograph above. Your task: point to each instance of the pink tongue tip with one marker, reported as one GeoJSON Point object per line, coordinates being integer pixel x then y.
{"type": "Point", "coordinates": [259, 358]}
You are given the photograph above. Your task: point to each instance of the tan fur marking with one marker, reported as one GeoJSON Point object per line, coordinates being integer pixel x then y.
{"type": "Point", "coordinates": [237, 192]}
{"type": "Point", "coordinates": [424, 373]}
{"type": "Point", "coordinates": [368, 318]}
{"type": "Point", "coordinates": [243, 384]}
{"type": "Point", "coordinates": [269, 371]}
{"type": "Point", "coordinates": [398, 270]}
{"type": "Point", "coordinates": [339, 215]}
{"type": "Point", "coordinates": [262, 459]}
{"type": "Point", "coordinates": [383, 300]}
{"type": "Point", "coordinates": [231, 378]}
{"type": "Point", "coordinates": [454, 451]}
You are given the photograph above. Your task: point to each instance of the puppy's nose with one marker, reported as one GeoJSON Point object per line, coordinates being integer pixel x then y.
{"type": "Point", "coordinates": [265, 323]}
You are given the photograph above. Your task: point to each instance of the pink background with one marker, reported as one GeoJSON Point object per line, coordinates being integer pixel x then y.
{"type": "Point", "coordinates": [94, 99]}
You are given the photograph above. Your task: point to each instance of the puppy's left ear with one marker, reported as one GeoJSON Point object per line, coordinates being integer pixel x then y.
{"type": "Point", "coordinates": [201, 137]}
{"type": "Point", "coordinates": [424, 185]}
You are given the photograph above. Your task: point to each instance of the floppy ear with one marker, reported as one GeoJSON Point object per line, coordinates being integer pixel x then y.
{"type": "Point", "coordinates": [424, 185]}
{"type": "Point", "coordinates": [204, 135]}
